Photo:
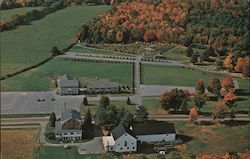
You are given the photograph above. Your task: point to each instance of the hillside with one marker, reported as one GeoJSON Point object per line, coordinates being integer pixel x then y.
{"type": "Point", "coordinates": [222, 25]}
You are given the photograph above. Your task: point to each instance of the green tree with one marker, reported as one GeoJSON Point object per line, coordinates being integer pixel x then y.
{"type": "Point", "coordinates": [100, 115]}
{"type": "Point", "coordinates": [214, 86]}
{"type": "Point", "coordinates": [85, 101]}
{"type": "Point", "coordinates": [50, 135]}
{"type": "Point", "coordinates": [127, 119]}
{"type": "Point", "coordinates": [218, 64]}
{"type": "Point", "coordinates": [175, 155]}
{"type": "Point", "coordinates": [141, 114]}
{"type": "Point", "coordinates": [205, 55]}
{"type": "Point", "coordinates": [87, 119]}
{"type": "Point", "coordinates": [104, 101]}
{"type": "Point", "coordinates": [199, 101]}
{"type": "Point", "coordinates": [128, 101]}
{"type": "Point", "coordinates": [194, 58]}
{"type": "Point", "coordinates": [52, 119]}
{"type": "Point", "coordinates": [189, 51]}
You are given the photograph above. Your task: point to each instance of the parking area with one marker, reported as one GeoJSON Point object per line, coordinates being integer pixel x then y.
{"type": "Point", "coordinates": [37, 102]}
{"type": "Point", "coordinates": [92, 147]}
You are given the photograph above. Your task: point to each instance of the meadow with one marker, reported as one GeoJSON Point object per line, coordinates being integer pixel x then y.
{"type": "Point", "coordinates": [43, 77]}
{"type": "Point", "coordinates": [12, 139]}
{"type": "Point", "coordinates": [32, 43]}
{"type": "Point", "coordinates": [7, 14]}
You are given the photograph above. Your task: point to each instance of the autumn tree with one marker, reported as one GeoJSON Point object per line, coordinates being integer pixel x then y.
{"type": "Point", "coordinates": [230, 98]}
{"type": "Point", "coordinates": [228, 62]}
{"type": "Point", "coordinates": [149, 36]}
{"type": "Point", "coordinates": [175, 99]}
{"type": "Point", "coordinates": [193, 114]}
{"type": "Point", "coordinates": [200, 87]}
{"type": "Point", "coordinates": [246, 67]}
{"type": "Point", "coordinates": [227, 83]}
{"type": "Point", "coordinates": [239, 64]}
{"type": "Point", "coordinates": [127, 119]}
{"type": "Point", "coordinates": [214, 86]}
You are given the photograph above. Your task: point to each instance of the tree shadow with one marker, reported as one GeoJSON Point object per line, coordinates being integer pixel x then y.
{"type": "Point", "coordinates": [240, 99]}
{"type": "Point", "coordinates": [232, 123]}
{"type": "Point", "coordinates": [184, 138]}
{"type": "Point", "coordinates": [243, 92]}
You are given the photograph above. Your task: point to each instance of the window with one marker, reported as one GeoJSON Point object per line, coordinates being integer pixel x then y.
{"type": "Point", "coordinates": [65, 133]}
{"type": "Point", "coordinates": [121, 148]}
{"type": "Point", "coordinates": [111, 148]}
{"type": "Point", "coordinates": [71, 133]}
{"type": "Point", "coordinates": [133, 148]}
{"type": "Point", "coordinates": [125, 144]}
{"type": "Point", "coordinates": [127, 147]}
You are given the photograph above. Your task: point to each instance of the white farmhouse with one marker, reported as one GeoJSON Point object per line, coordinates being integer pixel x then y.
{"type": "Point", "coordinates": [153, 131]}
{"type": "Point", "coordinates": [121, 140]}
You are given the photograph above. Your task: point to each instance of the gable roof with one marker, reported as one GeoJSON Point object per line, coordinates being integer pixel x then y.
{"type": "Point", "coordinates": [119, 131]}
{"type": "Point", "coordinates": [69, 83]}
{"type": "Point", "coordinates": [102, 84]}
{"type": "Point", "coordinates": [152, 127]}
{"type": "Point", "coordinates": [70, 114]}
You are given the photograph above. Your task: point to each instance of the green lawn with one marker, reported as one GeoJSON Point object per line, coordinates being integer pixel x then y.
{"type": "Point", "coordinates": [23, 115]}
{"type": "Point", "coordinates": [30, 44]}
{"type": "Point", "coordinates": [41, 78]}
{"type": "Point", "coordinates": [70, 153]}
{"type": "Point", "coordinates": [174, 75]}
{"type": "Point", "coordinates": [7, 14]}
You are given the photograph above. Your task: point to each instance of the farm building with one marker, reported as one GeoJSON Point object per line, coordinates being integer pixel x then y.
{"type": "Point", "coordinates": [153, 131]}
{"type": "Point", "coordinates": [69, 126]}
{"type": "Point", "coordinates": [67, 85]}
{"type": "Point", "coordinates": [122, 140]}
{"type": "Point", "coordinates": [103, 87]}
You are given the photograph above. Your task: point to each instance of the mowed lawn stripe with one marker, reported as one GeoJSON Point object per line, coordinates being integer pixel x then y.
{"type": "Point", "coordinates": [30, 44]}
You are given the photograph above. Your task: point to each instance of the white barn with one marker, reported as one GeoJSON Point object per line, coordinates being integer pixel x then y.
{"type": "Point", "coordinates": [121, 140]}
{"type": "Point", "coordinates": [153, 131]}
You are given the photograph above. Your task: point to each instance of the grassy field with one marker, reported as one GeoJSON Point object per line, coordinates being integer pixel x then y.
{"type": "Point", "coordinates": [16, 144]}
{"type": "Point", "coordinates": [174, 75]}
{"type": "Point", "coordinates": [41, 78]}
{"type": "Point", "coordinates": [7, 14]}
{"type": "Point", "coordinates": [23, 115]}
{"type": "Point", "coordinates": [30, 44]}
{"type": "Point", "coordinates": [70, 153]}
{"type": "Point", "coordinates": [216, 138]}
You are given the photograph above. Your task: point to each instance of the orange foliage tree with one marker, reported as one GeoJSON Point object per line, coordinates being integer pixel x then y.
{"type": "Point", "coordinates": [193, 114]}
{"type": "Point", "coordinates": [230, 98]}
{"type": "Point", "coordinates": [239, 64]}
{"type": "Point", "coordinates": [227, 83]}
{"type": "Point", "coordinates": [229, 62]}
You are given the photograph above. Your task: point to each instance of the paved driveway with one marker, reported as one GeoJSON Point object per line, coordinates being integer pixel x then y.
{"type": "Point", "coordinates": [92, 147]}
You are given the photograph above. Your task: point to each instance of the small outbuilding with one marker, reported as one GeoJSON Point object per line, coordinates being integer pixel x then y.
{"type": "Point", "coordinates": [67, 85]}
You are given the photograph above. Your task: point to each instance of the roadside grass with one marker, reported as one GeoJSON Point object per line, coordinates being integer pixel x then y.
{"type": "Point", "coordinates": [43, 77]}
{"type": "Point", "coordinates": [176, 54]}
{"type": "Point", "coordinates": [19, 143]}
{"type": "Point", "coordinates": [23, 115]}
{"type": "Point", "coordinates": [30, 44]}
{"type": "Point", "coordinates": [69, 153]}
{"type": "Point", "coordinates": [7, 14]}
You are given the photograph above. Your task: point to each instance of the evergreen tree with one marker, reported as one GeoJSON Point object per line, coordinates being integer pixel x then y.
{"type": "Point", "coordinates": [52, 119]}
{"type": "Point", "coordinates": [141, 114]}
{"type": "Point", "coordinates": [85, 101]}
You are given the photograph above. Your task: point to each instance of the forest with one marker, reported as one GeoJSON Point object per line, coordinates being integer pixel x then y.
{"type": "Point", "coordinates": [223, 25]}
